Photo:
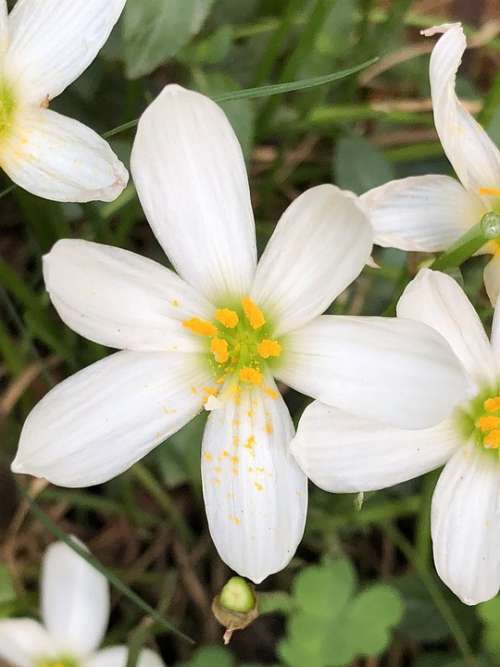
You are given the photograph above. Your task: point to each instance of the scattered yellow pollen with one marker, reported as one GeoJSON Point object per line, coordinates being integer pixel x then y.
{"type": "Point", "coordinates": [253, 313]}
{"type": "Point", "coordinates": [220, 380]}
{"type": "Point", "coordinates": [216, 481]}
{"type": "Point", "coordinates": [236, 440]}
{"type": "Point", "coordinates": [169, 411]}
{"type": "Point", "coordinates": [494, 192]}
{"type": "Point", "coordinates": [175, 303]}
{"type": "Point", "coordinates": [272, 393]}
{"type": "Point", "coordinates": [269, 348]}
{"type": "Point", "coordinates": [219, 348]}
{"type": "Point", "coordinates": [235, 471]}
{"type": "Point", "coordinates": [250, 413]}
{"type": "Point", "coordinates": [492, 404]}
{"type": "Point", "coordinates": [227, 317]}
{"type": "Point", "coordinates": [492, 440]}
{"type": "Point", "coordinates": [194, 390]}
{"type": "Point", "coordinates": [488, 423]}
{"type": "Point", "coordinates": [218, 469]}
{"type": "Point", "coordinates": [258, 486]}
{"type": "Point", "coordinates": [225, 454]}
{"type": "Point", "coordinates": [235, 460]}
{"type": "Point", "coordinates": [200, 327]}
{"type": "Point", "coordinates": [269, 426]}
{"type": "Point", "coordinates": [208, 457]}
{"type": "Point", "coordinates": [234, 519]}
{"type": "Point", "coordinates": [251, 375]}
{"type": "Point", "coordinates": [211, 391]}
{"type": "Point", "coordinates": [249, 444]}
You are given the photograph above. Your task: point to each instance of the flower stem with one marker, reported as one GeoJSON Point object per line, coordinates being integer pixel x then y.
{"type": "Point", "coordinates": [437, 596]}
{"type": "Point", "coordinates": [465, 247]}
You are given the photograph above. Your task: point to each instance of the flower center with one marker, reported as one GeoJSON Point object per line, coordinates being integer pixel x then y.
{"type": "Point", "coordinates": [239, 342]}
{"type": "Point", "coordinates": [7, 108]}
{"type": "Point", "coordinates": [64, 661]}
{"type": "Point", "coordinates": [481, 421]}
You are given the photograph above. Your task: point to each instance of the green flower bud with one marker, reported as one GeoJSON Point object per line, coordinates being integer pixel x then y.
{"type": "Point", "coordinates": [236, 606]}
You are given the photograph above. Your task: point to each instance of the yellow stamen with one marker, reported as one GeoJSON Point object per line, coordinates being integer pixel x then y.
{"type": "Point", "coordinates": [251, 375]}
{"type": "Point", "coordinates": [492, 404]}
{"type": "Point", "coordinates": [272, 393]}
{"type": "Point", "coordinates": [269, 348]}
{"type": "Point", "coordinates": [253, 313]}
{"type": "Point", "coordinates": [219, 348]}
{"type": "Point", "coordinates": [488, 423]}
{"type": "Point", "coordinates": [200, 327]}
{"type": "Point", "coordinates": [492, 440]}
{"type": "Point", "coordinates": [493, 192]}
{"type": "Point", "coordinates": [227, 317]}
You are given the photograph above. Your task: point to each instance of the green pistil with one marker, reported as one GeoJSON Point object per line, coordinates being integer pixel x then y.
{"type": "Point", "coordinates": [7, 107]}
{"type": "Point", "coordinates": [63, 661]}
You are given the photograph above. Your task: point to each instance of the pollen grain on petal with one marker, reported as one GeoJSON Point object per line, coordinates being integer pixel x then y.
{"type": "Point", "coordinates": [228, 318]}
{"type": "Point", "coordinates": [251, 375]}
{"type": "Point", "coordinates": [220, 350]}
{"type": "Point", "coordinates": [269, 348]}
{"type": "Point", "coordinates": [200, 327]}
{"type": "Point", "coordinates": [492, 440]}
{"type": "Point", "coordinates": [253, 313]}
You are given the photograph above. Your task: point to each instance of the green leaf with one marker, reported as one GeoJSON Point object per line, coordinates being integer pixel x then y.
{"type": "Point", "coordinates": [178, 458]}
{"type": "Point", "coordinates": [489, 613]}
{"type": "Point", "coordinates": [324, 590]}
{"type": "Point", "coordinates": [359, 166]}
{"type": "Point", "coordinates": [210, 656]}
{"type": "Point", "coordinates": [7, 591]}
{"type": "Point", "coordinates": [155, 30]}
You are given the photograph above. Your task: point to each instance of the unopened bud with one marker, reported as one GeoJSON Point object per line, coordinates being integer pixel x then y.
{"type": "Point", "coordinates": [236, 606]}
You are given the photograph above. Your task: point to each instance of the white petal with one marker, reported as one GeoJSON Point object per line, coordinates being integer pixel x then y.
{"type": "Point", "coordinates": [495, 336]}
{"type": "Point", "coordinates": [75, 600]}
{"type": "Point", "coordinates": [421, 213]}
{"type": "Point", "coordinates": [117, 298]}
{"type": "Point", "coordinates": [472, 153]}
{"type": "Point", "coordinates": [53, 41]}
{"type": "Point", "coordinates": [398, 372]}
{"type": "Point", "coordinates": [191, 179]}
{"type": "Point", "coordinates": [491, 277]}
{"type": "Point", "coordinates": [319, 246]}
{"type": "Point", "coordinates": [117, 657]}
{"type": "Point", "coordinates": [343, 453]}
{"type": "Point", "coordinates": [23, 641]}
{"type": "Point", "coordinates": [466, 524]}
{"type": "Point", "coordinates": [59, 158]}
{"type": "Point", "coordinates": [255, 494]}
{"type": "Point", "coordinates": [437, 300]}
{"type": "Point", "coordinates": [4, 27]}
{"type": "Point", "coordinates": [99, 422]}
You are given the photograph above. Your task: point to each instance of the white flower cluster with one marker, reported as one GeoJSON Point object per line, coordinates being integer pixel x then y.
{"type": "Point", "coordinates": [393, 397]}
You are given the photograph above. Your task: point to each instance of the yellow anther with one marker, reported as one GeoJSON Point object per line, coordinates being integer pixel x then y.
{"type": "Point", "coordinates": [251, 375]}
{"type": "Point", "coordinates": [492, 440]}
{"type": "Point", "coordinates": [492, 192]}
{"type": "Point", "coordinates": [227, 317]}
{"type": "Point", "coordinates": [219, 348]}
{"type": "Point", "coordinates": [492, 404]}
{"type": "Point", "coordinates": [200, 327]}
{"type": "Point", "coordinates": [488, 423]}
{"type": "Point", "coordinates": [269, 348]}
{"type": "Point", "coordinates": [253, 313]}
{"type": "Point", "coordinates": [272, 393]}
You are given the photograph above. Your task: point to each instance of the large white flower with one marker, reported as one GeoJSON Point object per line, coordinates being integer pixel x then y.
{"type": "Point", "coordinates": [75, 613]}
{"type": "Point", "coordinates": [429, 213]}
{"type": "Point", "coordinates": [218, 335]}
{"type": "Point", "coordinates": [44, 46]}
{"type": "Point", "coordinates": [343, 453]}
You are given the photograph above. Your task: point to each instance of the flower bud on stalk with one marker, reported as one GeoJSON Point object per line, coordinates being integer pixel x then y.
{"type": "Point", "coordinates": [236, 606]}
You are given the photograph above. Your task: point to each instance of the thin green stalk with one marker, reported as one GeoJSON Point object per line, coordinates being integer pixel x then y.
{"type": "Point", "coordinates": [151, 485]}
{"type": "Point", "coordinates": [423, 527]}
{"type": "Point", "coordinates": [112, 578]}
{"type": "Point", "coordinates": [432, 586]}
{"type": "Point", "coordinates": [466, 246]}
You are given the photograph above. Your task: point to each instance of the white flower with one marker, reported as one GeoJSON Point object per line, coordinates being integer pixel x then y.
{"type": "Point", "coordinates": [75, 613]}
{"type": "Point", "coordinates": [218, 335]}
{"type": "Point", "coordinates": [44, 46]}
{"type": "Point", "coordinates": [429, 213]}
{"type": "Point", "coordinates": [343, 453]}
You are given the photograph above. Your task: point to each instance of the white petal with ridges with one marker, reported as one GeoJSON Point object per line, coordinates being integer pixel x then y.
{"type": "Point", "coordinates": [61, 159]}
{"type": "Point", "coordinates": [191, 179]}
{"type": "Point", "coordinates": [75, 600]}
{"type": "Point", "coordinates": [343, 453]}
{"type": "Point", "coordinates": [437, 300]}
{"type": "Point", "coordinates": [398, 372]}
{"type": "Point", "coordinates": [53, 41]}
{"type": "Point", "coordinates": [465, 522]}
{"type": "Point", "coordinates": [116, 656]}
{"type": "Point", "coordinates": [255, 494]}
{"type": "Point", "coordinates": [120, 299]}
{"type": "Point", "coordinates": [470, 150]}
{"type": "Point", "coordinates": [319, 246]}
{"type": "Point", "coordinates": [99, 422]}
{"type": "Point", "coordinates": [491, 277]}
{"type": "Point", "coordinates": [4, 26]}
{"type": "Point", "coordinates": [23, 641]}
{"type": "Point", "coordinates": [421, 213]}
